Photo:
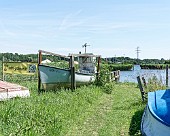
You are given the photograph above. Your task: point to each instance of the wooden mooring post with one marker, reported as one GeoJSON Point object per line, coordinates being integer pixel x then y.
{"type": "Point", "coordinates": [144, 82]}
{"type": "Point", "coordinates": [166, 75]}
{"type": "Point", "coordinates": [39, 62]}
{"type": "Point", "coordinates": [72, 68]}
{"type": "Point", "coordinates": [98, 68]}
{"type": "Point", "coordinates": [141, 88]}
{"type": "Point", "coordinates": [3, 76]}
{"type": "Point", "coordinates": [115, 75]}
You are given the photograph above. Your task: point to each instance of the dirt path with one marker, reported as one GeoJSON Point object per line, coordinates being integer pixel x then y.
{"type": "Point", "coordinates": [93, 123]}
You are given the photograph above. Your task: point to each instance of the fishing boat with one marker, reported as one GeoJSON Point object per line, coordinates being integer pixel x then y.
{"type": "Point", "coordinates": [10, 90]}
{"type": "Point", "coordinates": [53, 77]}
{"type": "Point", "coordinates": [156, 116]}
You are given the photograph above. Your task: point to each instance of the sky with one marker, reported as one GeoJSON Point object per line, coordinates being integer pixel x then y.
{"type": "Point", "coordinates": [111, 27]}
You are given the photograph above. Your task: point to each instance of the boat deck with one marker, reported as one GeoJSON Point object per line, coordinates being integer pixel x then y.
{"type": "Point", "coordinates": [10, 90]}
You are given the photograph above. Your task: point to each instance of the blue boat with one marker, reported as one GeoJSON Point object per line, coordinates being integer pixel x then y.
{"type": "Point", "coordinates": [156, 117]}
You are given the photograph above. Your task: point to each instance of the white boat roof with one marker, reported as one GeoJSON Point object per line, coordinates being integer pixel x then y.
{"type": "Point", "coordinates": [85, 55]}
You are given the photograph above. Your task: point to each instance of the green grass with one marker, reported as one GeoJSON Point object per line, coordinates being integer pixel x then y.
{"type": "Point", "coordinates": [86, 111]}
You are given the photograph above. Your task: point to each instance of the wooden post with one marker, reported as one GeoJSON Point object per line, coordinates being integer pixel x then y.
{"type": "Point", "coordinates": [166, 75]}
{"type": "Point", "coordinates": [141, 88]}
{"type": "Point", "coordinates": [111, 76]}
{"type": "Point", "coordinates": [98, 69]}
{"type": "Point", "coordinates": [39, 57]}
{"type": "Point", "coordinates": [144, 82]}
{"type": "Point", "coordinates": [73, 83]}
{"type": "Point", "coordinates": [3, 79]}
{"type": "Point", "coordinates": [39, 62]}
{"type": "Point", "coordinates": [119, 75]}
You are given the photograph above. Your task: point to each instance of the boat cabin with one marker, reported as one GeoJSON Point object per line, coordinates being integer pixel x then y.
{"type": "Point", "coordinates": [87, 63]}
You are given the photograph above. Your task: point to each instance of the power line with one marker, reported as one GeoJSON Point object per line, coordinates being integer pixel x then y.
{"type": "Point", "coordinates": [137, 52]}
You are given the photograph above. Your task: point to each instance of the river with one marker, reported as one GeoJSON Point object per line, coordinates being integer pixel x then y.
{"type": "Point", "coordinates": [130, 76]}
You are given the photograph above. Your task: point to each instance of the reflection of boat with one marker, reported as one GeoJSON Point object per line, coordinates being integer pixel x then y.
{"type": "Point", "coordinates": [53, 77]}
{"type": "Point", "coordinates": [136, 67]}
{"type": "Point", "coordinates": [156, 117]}
{"type": "Point", "coordinates": [9, 90]}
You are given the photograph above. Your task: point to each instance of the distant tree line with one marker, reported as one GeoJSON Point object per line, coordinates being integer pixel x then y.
{"type": "Point", "coordinates": [27, 57]}
{"type": "Point", "coordinates": [109, 60]}
{"type": "Point", "coordinates": [127, 60]}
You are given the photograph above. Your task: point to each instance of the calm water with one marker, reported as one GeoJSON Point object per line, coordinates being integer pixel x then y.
{"type": "Point", "coordinates": [130, 76]}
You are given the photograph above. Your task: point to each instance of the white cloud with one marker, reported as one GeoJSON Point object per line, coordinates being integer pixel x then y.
{"type": "Point", "coordinates": [70, 21]}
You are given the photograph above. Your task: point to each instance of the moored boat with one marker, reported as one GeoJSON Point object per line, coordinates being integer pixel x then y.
{"type": "Point", "coordinates": [156, 116]}
{"type": "Point", "coordinates": [53, 77]}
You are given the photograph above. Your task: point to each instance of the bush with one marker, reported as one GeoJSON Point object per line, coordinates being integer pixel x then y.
{"type": "Point", "coordinates": [103, 80]}
{"type": "Point", "coordinates": [108, 88]}
{"type": "Point", "coordinates": [103, 75]}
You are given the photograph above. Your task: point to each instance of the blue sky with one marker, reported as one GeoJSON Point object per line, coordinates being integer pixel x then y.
{"type": "Point", "coordinates": [110, 27]}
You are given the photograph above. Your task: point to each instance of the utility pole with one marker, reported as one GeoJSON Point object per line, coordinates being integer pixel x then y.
{"type": "Point", "coordinates": [84, 46]}
{"type": "Point", "coordinates": [137, 52]}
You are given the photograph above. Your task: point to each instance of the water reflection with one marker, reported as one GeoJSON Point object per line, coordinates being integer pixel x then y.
{"type": "Point", "coordinates": [130, 76]}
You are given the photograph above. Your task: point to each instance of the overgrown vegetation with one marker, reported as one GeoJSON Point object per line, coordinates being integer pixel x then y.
{"type": "Point", "coordinates": [153, 66]}
{"type": "Point", "coordinates": [86, 111]}
{"type": "Point", "coordinates": [154, 84]}
{"type": "Point", "coordinates": [127, 60]}
{"type": "Point", "coordinates": [104, 79]}
{"type": "Point", "coordinates": [122, 67]}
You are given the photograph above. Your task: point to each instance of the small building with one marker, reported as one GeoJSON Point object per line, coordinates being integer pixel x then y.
{"type": "Point", "coordinates": [46, 61]}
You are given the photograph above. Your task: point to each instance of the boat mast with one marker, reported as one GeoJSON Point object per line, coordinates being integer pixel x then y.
{"type": "Point", "coordinates": [84, 46]}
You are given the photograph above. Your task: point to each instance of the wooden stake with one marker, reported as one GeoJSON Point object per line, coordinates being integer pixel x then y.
{"type": "Point", "coordinates": [98, 69]}
{"type": "Point", "coordinates": [39, 57]}
{"type": "Point", "coordinates": [39, 62]}
{"type": "Point", "coordinates": [144, 82]}
{"type": "Point", "coordinates": [141, 88]}
{"type": "Point", "coordinates": [166, 75]}
{"type": "Point", "coordinates": [3, 79]}
{"type": "Point", "coordinates": [73, 83]}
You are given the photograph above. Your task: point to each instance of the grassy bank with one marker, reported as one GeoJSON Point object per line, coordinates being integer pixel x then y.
{"type": "Point", "coordinates": [86, 111]}
{"type": "Point", "coordinates": [114, 67]}
{"type": "Point", "coordinates": [153, 66]}
{"type": "Point", "coordinates": [122, 67]}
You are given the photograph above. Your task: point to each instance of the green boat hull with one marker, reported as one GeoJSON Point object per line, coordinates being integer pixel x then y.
{"type": "Point", "coordinates": [53, 78]}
